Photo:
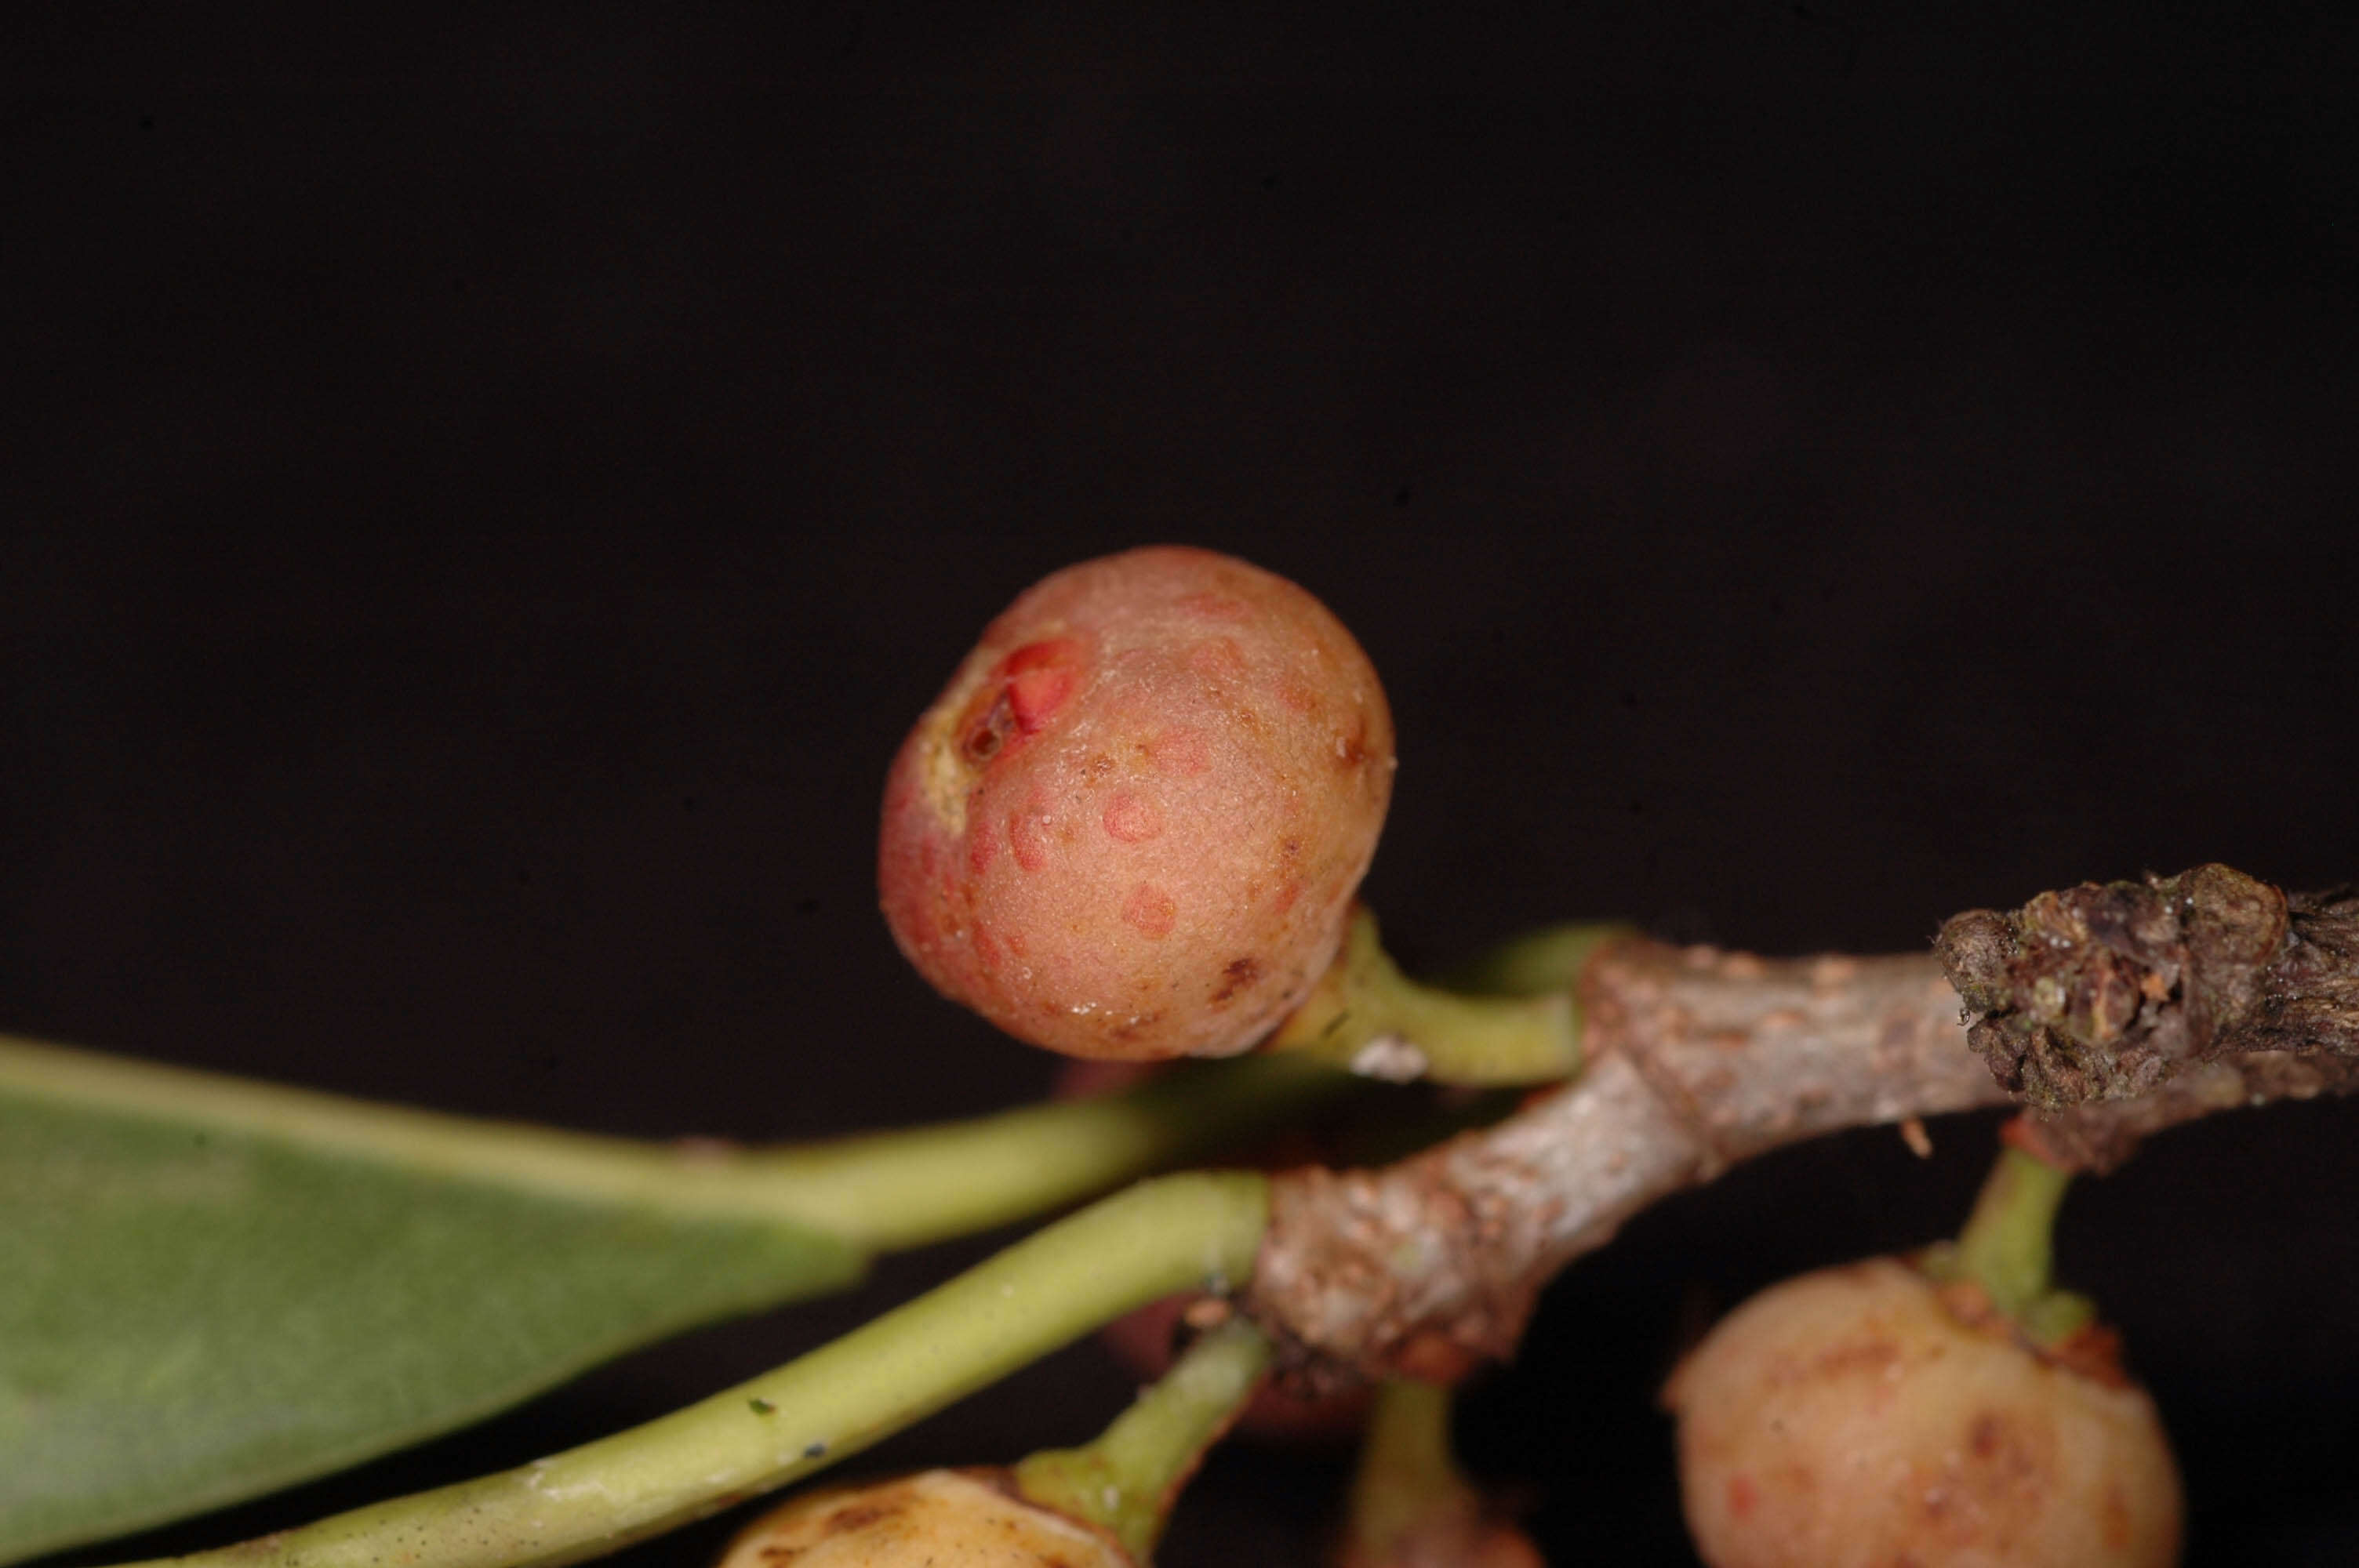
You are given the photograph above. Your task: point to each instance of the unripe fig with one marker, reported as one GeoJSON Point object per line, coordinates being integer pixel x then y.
{"type": "Point", "coordinates": [1132, 823]}
{"type": "Point", "coordinates": [1866, 1416]}
{"type": "Point", "coordinates": [936, 1519]}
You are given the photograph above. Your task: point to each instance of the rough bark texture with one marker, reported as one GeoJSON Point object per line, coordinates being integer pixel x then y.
{"type": "Point", "coordinates": [2099, 1136]}
{"type": "Point", "coordinates": [2115, 1011]}
{"type": "Point", "coordinates": [2106, 992]}
{"type": "Point", "coordinates": [1698, 1058]}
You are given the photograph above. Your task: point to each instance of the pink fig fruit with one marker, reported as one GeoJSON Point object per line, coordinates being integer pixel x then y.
{"type": "Point", "coordinates": [1132, 825]}
{"type": "Point", "coordinates": [1865, 1416]}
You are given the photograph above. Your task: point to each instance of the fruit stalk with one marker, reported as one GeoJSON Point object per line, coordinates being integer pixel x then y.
{"type": "Point", "coordinates": [1411, 1505]}
{"type": "Point", "coordinates": [1190, 1231]}
{"type": "Point", "coordinates": [900, 1188]}
{"type": "Point", "coordinates": [1129, 1477]}
{"type": "Point", "coordinates": [1366, 1015]}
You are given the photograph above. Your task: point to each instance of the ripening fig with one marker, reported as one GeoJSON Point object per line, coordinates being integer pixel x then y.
{"type": "Point", "coordinates": [1132, 823]}
{"type": "Point", "coordinates": [936, 1519]}
{"type": "Point", "coordinates": [1865, 1416]}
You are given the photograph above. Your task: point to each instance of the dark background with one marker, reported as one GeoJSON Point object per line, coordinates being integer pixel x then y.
{"type": "Point", "coordinates": [488, 495]}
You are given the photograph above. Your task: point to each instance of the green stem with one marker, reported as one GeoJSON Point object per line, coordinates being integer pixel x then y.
{"type": "Point", "coordinates": [1368, 1016]}
{"type": "Point", "coordinates": [1548, 960]}
{"type": "Point", "coordinates": [880, 1190]}
{"type": "Point", "coordinates": [2008, 1244]}
{"type": "Point", "coordinates": [1187, 1232]}
{"type": "Point", "coordinates": [1407, 1477]}
{"type": "Point", "coordinates": [907, 1188]}
{"type": "Point", "coordinates": [1129, 1478]}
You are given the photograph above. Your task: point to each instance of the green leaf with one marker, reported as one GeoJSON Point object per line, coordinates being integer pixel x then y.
{"type": "Point", "coordinates": [209, 1290]}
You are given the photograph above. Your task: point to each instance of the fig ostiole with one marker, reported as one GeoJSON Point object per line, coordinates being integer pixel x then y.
{"type": "Point", "coordinates": [1133, 823]}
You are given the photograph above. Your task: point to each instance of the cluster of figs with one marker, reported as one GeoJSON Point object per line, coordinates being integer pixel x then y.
{"type": "Point", "coordinates": [1132, 826]}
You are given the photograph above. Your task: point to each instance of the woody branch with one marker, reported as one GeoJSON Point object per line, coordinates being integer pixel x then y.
{"type": "Point", "coordinates": [2118, 1011]}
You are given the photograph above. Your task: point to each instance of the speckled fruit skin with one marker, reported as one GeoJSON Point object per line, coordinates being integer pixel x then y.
{"type": "Point", "coordinates": [1849, 1419]}
{"type": "Point", "coordinates": [936, 1519]}
{"type": "Point", "coordinates": [1132, 823]}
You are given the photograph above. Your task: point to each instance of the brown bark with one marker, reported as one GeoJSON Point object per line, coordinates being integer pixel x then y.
{"type": "Point", "coordinates": [2099, 1136]}
{"type": "Point", "coordinates": [2124, 1010]}
{"type": "Point", "coordinates": [2106, 992]}
{"type": "Point", "coordinates": [1697, 1058]}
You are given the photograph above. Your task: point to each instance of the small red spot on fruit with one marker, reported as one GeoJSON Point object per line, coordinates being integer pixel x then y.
{"type": "Point", "coordinates": [1040, 676]}
{"type": "Point", "coordinates": [982, 849]}
{"type": "Point", "coordinates": [1040, 655]}
{"type": "Point", "coordinates": [1180, 753]}
{"type": "Point", "coordinates": [1036, 694]}
{"type": "Point", "coordinates": [1298, 697]}
{"type": "Point", "coordinates": [1742, 1495]}
{"type": "Point", "coordinates": [1027, 835]}
{"type": "Point", "coordinates": [1132, 817]}
{"type": "Point", "coordinates": [1150, 910]}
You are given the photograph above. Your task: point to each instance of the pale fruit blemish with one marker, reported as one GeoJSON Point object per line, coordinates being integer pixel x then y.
{"type": "Point", "coordinates": [1150, 910]}
{"type": "Point", "coordinates": [1132, 817]}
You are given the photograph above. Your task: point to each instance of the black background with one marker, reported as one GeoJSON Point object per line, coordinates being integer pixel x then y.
{"type": "Point", "coordinates": [495, 490]}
